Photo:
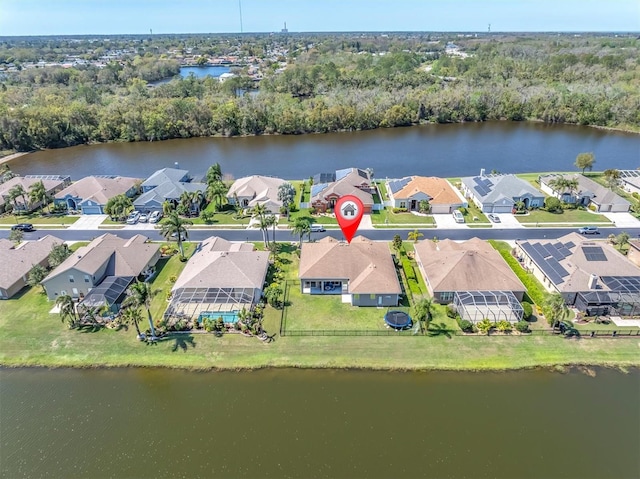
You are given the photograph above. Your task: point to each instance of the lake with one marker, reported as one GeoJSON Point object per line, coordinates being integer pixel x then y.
{"type": "Point", "coordinates": [154, 423]}
{"type": "Point", "coordinates": [202, 72]}
{"type": "Point", "coordinates": [430, 150]}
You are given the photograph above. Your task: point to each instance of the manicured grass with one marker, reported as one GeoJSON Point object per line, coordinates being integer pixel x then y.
{"type": "Point", "coordinates": [303, 191]}
{"type": "Point", "coordinates": [567, 216]}
{"type": "Point", "coordinates": [472, 212]}
{"type": "Point", "coordinates": [36, 219]}
{"type": "Point", "coordinates": [160, 285]}
{"type": "Point", "coordinates": [387, 216]}
{"type": "Point", "coordinates": [220, 217]}
{"type": "Point", "coordinates": [321, 219]}
{"type": "Point", "coordinates": [382, 188]}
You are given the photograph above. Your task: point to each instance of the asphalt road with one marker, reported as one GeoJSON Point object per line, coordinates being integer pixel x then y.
{"type": "Point", "coordinates": [378, 234]}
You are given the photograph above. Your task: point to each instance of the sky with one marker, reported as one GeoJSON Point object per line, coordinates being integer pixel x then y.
{"type": "Point", "coordinates": [68, 17]}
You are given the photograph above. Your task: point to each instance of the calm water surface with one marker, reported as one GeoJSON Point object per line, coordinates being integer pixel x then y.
{"type": "Point", "coordinates": [439, 150]}
{"type": "Point", "coordinates": [291, 423]}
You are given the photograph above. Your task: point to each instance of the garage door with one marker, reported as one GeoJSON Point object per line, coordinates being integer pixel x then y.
{"type": "Point", "coordinates": [501, 209]}
{"type": "Point", "coordinates": [91, 210]}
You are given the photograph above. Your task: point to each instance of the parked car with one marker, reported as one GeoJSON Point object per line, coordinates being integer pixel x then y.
{"type": "Point", "coordinates": [589, 230]}
{"type": "Point", "coordinates": [23, 227]}
{"type": "Point", "coordinates": [155, 217]}
{"type": "Point", "coordinates": [133, 217]}
{"type": "Point", "coordinates": [458, 216]}
{"type": "Point", "coordinates": [316, 228]}
{"type": "Point", "coordinates": [143, 217]}
{"type": "Point", "coordinates": [174, 236]}
{"type": "Point", "coordinates": [494, 218]}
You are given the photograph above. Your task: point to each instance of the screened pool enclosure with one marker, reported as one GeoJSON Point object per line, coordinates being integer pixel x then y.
{"type": "Point", "coordinates": [495, 306]}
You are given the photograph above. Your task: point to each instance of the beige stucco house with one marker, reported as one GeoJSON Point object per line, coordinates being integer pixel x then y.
{"type": "Point", "coordinates": [408, 192]}
{"type": "Point", "coordinates": [255, 190]}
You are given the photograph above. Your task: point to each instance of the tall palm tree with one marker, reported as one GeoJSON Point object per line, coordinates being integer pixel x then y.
{"type": "Point", "coordinates": [272, 221]}
{"type": "Point", "coordinates": [423, 310]}
{"type": "Point", "coordinates": [216, 191]}
{"type": "Point", "coordinates": [139, 295]}
{"type": "Point", "coordinates": [173, 225]}
{"type": "Point", "coordinates": [18, 192]}
{"type": "Point", "coordinates": [132, 315]}
{"type": "Point", "coordinates": [196, 200]}
{"type": "Point", "coordinates": [301, 227]}
{"type": "Point", "coordinates": [67, 309]}
{"type": "Point", "coordinates": [214, 174]}
{"type": "Point", "coordinates": [167, 207]}
{"type": "Point", "coordinates": [556, 309]}
{"type": "Point", "coordinates": [186, 198]}
{"type": "Point", "coordinates": [38, 194]}
{"type": "Point", "coordinates": [260, 212]}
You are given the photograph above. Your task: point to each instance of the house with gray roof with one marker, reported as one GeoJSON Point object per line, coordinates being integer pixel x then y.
{"type": "Point", "coordinates": [168, 184]}
{"type": "Point", "coordinates": [17, 261]}
{"type": "Point", "coordinates": [163, 175]}
{"type": "Point", "coordinates": [362, 272]}
{"type": "Point", "coordinates": [91, 193]}
{"type": "Point", "coordinates": [107, 255]}
{"type": "Point", "coordinates": [221, 276]}
{"type": "Point", "coordinates": [500, 193]}
{"type": "Point", "coordinates": [591, 275]}
{"type": "Point", "coordinates": [589, 194]}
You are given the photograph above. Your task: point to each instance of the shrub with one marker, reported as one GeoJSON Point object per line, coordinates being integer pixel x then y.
{"type": "Point", "coordinates": [463, 210]}
{"type": "Point", "coordinates": [504, 326]}
{"type": "Point", "coordinates": [399, 210]}
{"type": "Point", "coordinates": [414, 286]}
{"type": "Point", "coordinates": [522, 326]}
{"type": "Point", "coordinates": [408, 269]}
{"type": "Point", "coordinates": [466, 325]}
{"type": "Point", "coordinates": [527, 310]}
{"type": "Point", "coordinates": [553, 204]}
{"type": "Point", "coordinates": [173, 278]}
{"type": "Point", "coordinates": [206, 216]}
{"type": "Point", "coordinates": [485, 326]}
{"type": "Point", "coordinates": [451, 311]}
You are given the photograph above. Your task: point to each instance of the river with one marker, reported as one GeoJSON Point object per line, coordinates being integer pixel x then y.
{"type": "Point", "coordinates": [431, 150]}
{"type": "Point", "coordinates": [156, 423]}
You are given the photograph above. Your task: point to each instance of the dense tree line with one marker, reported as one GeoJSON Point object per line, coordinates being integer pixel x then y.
{"type": "Point", "coordinates": [332, 83]}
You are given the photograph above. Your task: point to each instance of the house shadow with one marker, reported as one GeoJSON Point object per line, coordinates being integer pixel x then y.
{"type": "Point", "coordinates": [182, 342]}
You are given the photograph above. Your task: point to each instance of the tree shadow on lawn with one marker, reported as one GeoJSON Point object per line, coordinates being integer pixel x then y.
{"type": "Point", "coordinates": [182, 342]}
{"type": "Point", "coordinates": [438, 329]}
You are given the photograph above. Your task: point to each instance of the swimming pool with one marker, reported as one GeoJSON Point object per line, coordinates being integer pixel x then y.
{"type": "Point", "coordinates": [227, 316]}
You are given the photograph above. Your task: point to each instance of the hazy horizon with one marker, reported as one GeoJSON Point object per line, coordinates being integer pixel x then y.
{"type": "Point", "coordinates": [166, 17]}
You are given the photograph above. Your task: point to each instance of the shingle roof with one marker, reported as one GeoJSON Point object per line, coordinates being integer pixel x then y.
{"type": "Point", "coordinates": [218, 263]}
{"type": "Point", "coordinates": [366, 264]}
{"type": "Point", "coordinates": [586, 186]}
{"type": "Point", "coordinates": [165, 174]}
{"type": "Point", "coordinates": [169, 190]}
{"type": "Point", "coordinates": [500, 188]}
{"type": "Point", "coordinates": [263, 189]}
{"type": "Point", "coordinates": [126, 257]}
{"type": "Point", "coordinates": [98, 189]}
{"type": "Point", "coordinates": [17, 262]}
{"type": "Point", "coordinates": [472, 265]}
{"type": "Point", "coordinates": [26, 183]}
{"type": "Point", "coordinates": [439, 190]}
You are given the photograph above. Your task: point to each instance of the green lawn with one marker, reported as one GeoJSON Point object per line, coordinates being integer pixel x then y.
{"type": "Point", "coordinates": [160, 285]}
{"type": "Point", "coordinates": [37, 219]}
{"type": "Point", "coordinates": [473, 212]}
{"type": "Point", "coordinates": [382, 188]}
{"type": "Point", "coordinates": [567, 216]}
{"type": "Point", "coordinates": [321, 219]}
{"type": "Point", "coordinates": [387, 216]}
{"type": "Point", "coordinates": [221, 218]}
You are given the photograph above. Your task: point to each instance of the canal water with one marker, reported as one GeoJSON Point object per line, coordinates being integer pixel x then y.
{"type": "Point", "coordinates": [147, 423]}
{"type": "Point", "coordinates": [431, 150]}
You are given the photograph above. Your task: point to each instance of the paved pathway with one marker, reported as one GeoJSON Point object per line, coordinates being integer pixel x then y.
{"type": "Point", "coordinates": [618, 321]}
{"type": "Point", "coordinates": [88, 222]}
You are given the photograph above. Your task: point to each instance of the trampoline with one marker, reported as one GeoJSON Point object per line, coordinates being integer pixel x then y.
{"type": "Point", "coordinates": [398, 320]}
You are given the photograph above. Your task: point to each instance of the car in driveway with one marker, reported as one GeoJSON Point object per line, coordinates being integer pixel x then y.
{"type": "Point", "coordinates": [143, 217]}
{"type": "Point", "coordinates": [155, 217]}
{"type": "Point", "coordinates": [494, 218]}
{"type": "Point", "coordinates": [26, 227]}
{"type": "Point", "coordinates": [589, 230]}
{"type": "Point", "coordinates": [133, 217]}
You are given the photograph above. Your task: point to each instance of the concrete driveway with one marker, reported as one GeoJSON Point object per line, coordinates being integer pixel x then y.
{"type": "Point", "coordinates": [507, 220]}
{"type": "Point", "coordinates": [446, 221]}
{"type": "Point", "coordinates": [623, 220]}
{"type": "Point", "coordinates": [88, 222]}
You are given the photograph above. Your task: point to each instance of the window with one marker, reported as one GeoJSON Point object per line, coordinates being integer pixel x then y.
{"type": "Point", "coordinates": [71, 279]}
{"type": "Point", "coordinates": [87, 278]}
{"type": "Point", "coordinates": [403, 204]}
{"type": "Point", "coordinates": [446, 296]}
{"type": "Point", "coordinates": [75, 291]}
{"type": "Point", "coordinates": [372, 296]}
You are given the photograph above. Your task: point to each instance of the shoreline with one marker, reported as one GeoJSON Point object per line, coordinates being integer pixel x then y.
{"type": "Point", "coordinates": [13, 156]}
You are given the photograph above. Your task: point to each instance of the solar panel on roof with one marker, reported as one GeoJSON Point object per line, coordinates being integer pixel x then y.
{"type": "Point", "coordinates": [594, 253]}
{"type": "Point", "coordinates": [570, 244]}
{"type": "Point", "coordinates": [623, 284]}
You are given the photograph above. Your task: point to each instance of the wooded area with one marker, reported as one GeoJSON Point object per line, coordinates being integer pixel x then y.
{"type": "Point", "coordinates": [330, 83]}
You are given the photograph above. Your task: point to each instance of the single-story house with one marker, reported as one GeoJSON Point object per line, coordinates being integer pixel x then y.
{"type": "Point", "coordinates": [633, 253]}
{"type": "Point", "coordinates": [588, 193]}
{"type": "Point", "coordinates": [107, 255]}
{"type": "Point", "coordinates": [255, 190]}
{"type": "Point", "coordinates": [152, 200]}
{"type": "Point", "coordinates": [362, 271]}
{"type": "Point", "coordinates": [91, 194]}
{"type": "Point", "coordinates": [52, 184]}
{"type": "Point", "coordinates": [221, 276]}
{"type": "Point", "coordinates": [163, 175]}
{"type": "Point", "coordinates": [500, 193]}
{"type": "Point", "coordinates": [409, 191]}
{"type": "Point", "coordinates": [349, 181]}
{"type": "Point", "coordinates": [591, 275]}
{"type": "Point", "coordinates": [473, 276]}
{"type": "Point", "coordinates": [630, 180]}
{"type": "Point", "coordinates": [17, 261]}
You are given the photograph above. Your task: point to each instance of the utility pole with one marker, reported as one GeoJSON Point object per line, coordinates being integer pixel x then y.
{"type": "Point", "coordinates": [240, 9]}
{"type": "Point", "coordinates": [489, 30]}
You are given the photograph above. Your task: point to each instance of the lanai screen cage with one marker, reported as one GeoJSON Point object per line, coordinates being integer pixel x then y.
{"type": "Point", "coordinates": [496, 306]}
{"type": "Point", "coordinates": [602, 303]}
{"type": "Point", "coordinates": [188, 303]}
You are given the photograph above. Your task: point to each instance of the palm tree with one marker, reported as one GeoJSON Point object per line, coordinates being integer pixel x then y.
{"type": "Point", "coordinates": [186, 199]}
{"type": "Point", "coordinates": [67, 309]}
{"type": "Point", "coordinates": [139, 295]}
{"type": "Point", "coordinates": [197, 198]}
{"type": "Point", "coordinates": [132, 315]}
{"type": "Point", "coordinates": [260, 211]}
{"type": "Point", "coordinates": [18, 191]}
{"type": "Point", "coordinates": [273, 222]}
{"type": "Point", "coordinates": [414, 236]}
{"type": "Point", "coordinates": [38, 194]}
{"type": "Point", "coordinates": [423, 311]}
{"type": "Point", "coordinates": [214, 174]}
{"type": "Point", "coordinates": [301, 227]}
{"type": "Point", "coordinates": [556, 309]}
{"type": "Point", "coordinates": [174, 226]}
{"type": "Point", "coordinates": [216, 191]}
{"type": "Point", "coordinates": [167, 207]}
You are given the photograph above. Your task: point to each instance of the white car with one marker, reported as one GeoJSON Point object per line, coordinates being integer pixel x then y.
{"type": "Point", "coordinates": [155, 217]}
{"type": "Point", "coordinates": [133, 217]}
{"type": "Point", "coordinates": [143, 218]}
{"type": "Point", "coordinates": [316, 228]}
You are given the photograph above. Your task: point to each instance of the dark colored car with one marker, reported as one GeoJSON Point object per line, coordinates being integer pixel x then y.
{"type": "Point", "coordinates": [23, 227]}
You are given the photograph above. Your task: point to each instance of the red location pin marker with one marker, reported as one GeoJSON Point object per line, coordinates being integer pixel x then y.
{"type": "Point", "coordinates": [349, 210]}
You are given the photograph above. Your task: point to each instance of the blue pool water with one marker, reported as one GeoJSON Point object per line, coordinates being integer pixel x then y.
{"type": "Point", "coordinates": [227, 316]}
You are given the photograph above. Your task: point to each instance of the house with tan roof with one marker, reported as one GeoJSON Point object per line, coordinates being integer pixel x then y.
{"type": "Point", "coordinates": [106, 256]}
{"type": "Point", "coordinates": [221, 276]}
{"type": "Point", "coordinates": [473, 276]}
{"type": "Point", "coordinates": [52, 184]}
{"type": "Point", "coordinates": [591, 275]}
{"type": "Point", "coordinates": [17, 261]}
{"type": "Point", "coordinates": [409, 191]}
{"type": "Point", "coordinates": [362, 271]}
{"type": "Point", "coordinates": [327, 188]}
{"type": "Point", "coordinates": [91, 193]}
{"type": "Point", "coordinates": [255, 190]}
